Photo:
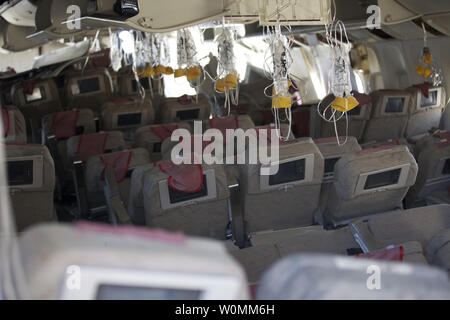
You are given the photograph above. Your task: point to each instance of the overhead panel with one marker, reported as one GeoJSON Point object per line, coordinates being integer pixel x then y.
{"type": "Point", "coordinates": [440, 22]}
{"type": "Point", "coordinates": [426, 7]}
{"type": "Point", "coordinates": [286, 12]}
{"type": "Point", "coordinates": [21, 14]}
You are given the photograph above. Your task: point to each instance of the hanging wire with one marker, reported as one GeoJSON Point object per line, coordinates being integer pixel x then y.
{"type": "Point", "coordinates": [339, 83]}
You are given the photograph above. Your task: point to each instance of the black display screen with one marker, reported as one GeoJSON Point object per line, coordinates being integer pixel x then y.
{"type": "Point", "coordinates": [144, 83]}
{"type": "Point", "coordinates": [157, 147]}
{"type": "Point", "coordinates": [118, 292]}
{"type": "Point", "coordinates": [129, 119]}
{"type": "Point", "coordinates": [446, 169]}
{"type": "Point", "coordinates": [395, 105]}
{"type": "Point", "coordinates": [180, 196]}
{"type": "Point", "coordinates": [430, 101]}
{"type": "Point", "coordinates": [329, 164]}
{"type": "Point", "coordinates": [382, 179]}
{"type": "Point", "coordinates": [188, 114]}
{"type": "Point", "coordinates": [20, 172]}
{"type": "Point", "coordinates": [288, 172]}
{"type": "Point", "coordinates": [355, 111]}
{"type": "Point", "coordinates": [89, 85]}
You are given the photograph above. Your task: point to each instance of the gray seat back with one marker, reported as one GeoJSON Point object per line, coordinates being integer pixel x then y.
{"type": "Point", "coordinates": [424, 113]}
{"type": "Point", "coordinates": [90, 89]}
{"type": "Point", "coordinates": [369, 182]}
{"type": "Point", "coordinates": [203, 213]}
{"type": "Point", "coordinates": [318, 277]}
{"type": "Point", "coordinates": [290, 197]}
{"type": "Point", "coordinates": [184, 108]}
{"type": "Point", "coordinates": [31, 175]}
{"type": "Point", "coordinates": [95, 169]}
{"type": "Point", "coordinates": [14, 126]}
{"type": "Point", "coordinates": [389, 116]}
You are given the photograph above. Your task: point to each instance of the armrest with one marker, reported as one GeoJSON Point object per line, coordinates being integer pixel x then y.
{"type": "Point", "coordinates": [80, 187]}
{"type": "Point", "coordinates": [116, 208]}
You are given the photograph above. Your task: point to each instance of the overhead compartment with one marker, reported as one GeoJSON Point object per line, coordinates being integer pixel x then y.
{"type": "Point", "coordinates": [14, 38]}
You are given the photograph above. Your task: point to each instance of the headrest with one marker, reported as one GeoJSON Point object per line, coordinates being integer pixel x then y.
{"type": "Point", "coordinates": [88, 83]}
{"type": "Point", "coordinates": [224, 123]}
{"type": "Point", "coordinates": [186, 100]}
{"type": "Point", "coordinates": [119, 161]}
{"type": "Point", "coordinates": [36, 91]}
{"type": "Point", "coordinates": [126, 113]}
{"type": "Point", "coordinates": [330, 147]}
{"type": "Point", "coordinates": [362, 98]}
{"type": "Point", "coordinates": [424, 88]}
{"type": "Point", "coordinates": [14, 127]}
{"type": "Point", "coordinates": [310, 276]}
{"type": "Point", "coordinates": [67, 124]}
{"type": "Point", "coordinates": [300, 163]}
{"type": "Point", "coordinates": [91, 145]}
{"type": "Point", "coordinates": [64, 124]}
{"type": "Point", "coordinates": [375, 169]}
{"type": "Point", "coordinates": [123, 162]}
{"type": "Point", "coordinates": [185, 187]}
{"type": "Point", "coordinates": [391, 102]}
{"type": "Point", "coordinates": [183, 177]}
{"type": "Point", "coordinates": [164, 131]}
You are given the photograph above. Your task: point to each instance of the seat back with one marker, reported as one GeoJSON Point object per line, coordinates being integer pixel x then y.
{"type": "Point", "coordinates": [126, 115]}
{"type": "Point", "coordinates": [90, 89]}
{"type": "Point", "coordinates": [127, 262]}
{"type": "Point", "coordinates": [128, 86]}
{"type": "Point", "coordinates": [371, 181]}
{"type": "Point", "coordinates": [357, 120]}
{"type": "Point", "coordinates": [290, 197]}
{"type": "Point", "coordinates": [426, 110]}
{"type": "Point", "coordinates": [151, 137]}
{"type": "Point", "coordinates": [31, 179]}
{"type": "Point", "coordinates": [87, 145]}
{"type": "Point", "coordinates": [331, 153]}
{"type": "Point", "coordinates": [123, 163]}
{"type": "Point", "coordinates": [14, 126]}
{"type": "Point", "coordinates": [202, 212]}
{"type": "Point", "coordinates": [389, 116]}
{"type": "Point", "coordinates": [308, 276]}
{"type": "Point", "coordinates": [35, 99]}
{"type": "Point", "coordinates": [67, 124]}
{"type": "Point", "coordinates": [434, 167]}
{"type": "Point", "coordinates": [184, 108]}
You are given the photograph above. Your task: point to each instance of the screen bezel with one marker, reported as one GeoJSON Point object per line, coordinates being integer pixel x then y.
{"type": "Point", "coordinates": [330, 174]}
{"type": "Point", "coordinates": [38, 171]}
{"type": "Point", "coordinates": [117, 115]}
{"type": "Point", "coordinates": [438, 99]}
{"type": "Point", "coordinates": [309, 172]}
{"type": "Point", "coordinates": [440, 168]}
{"type": "Point", "coordinates": [361, 182]}
{"type": "Point", "coordinates": [211, 192]}
{"type": "Point", "coordinates": [41, 99]}
{"type": "Point", "coordinates": [405, 106]}
{"type": "Point", "coordinates": [190, 108]}
{"type": "Point", "coordinates": [74, 87]}
{"type": "Point", "coordinates": [210, 286]}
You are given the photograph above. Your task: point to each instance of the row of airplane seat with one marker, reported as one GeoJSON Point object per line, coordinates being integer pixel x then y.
{"type": "Point", "coordinates": [86, 146]}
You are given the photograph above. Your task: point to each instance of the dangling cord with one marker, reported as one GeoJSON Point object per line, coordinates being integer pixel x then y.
{"type": "Point", "coordinates": [89, 51]}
